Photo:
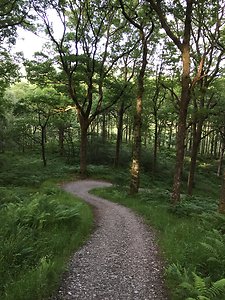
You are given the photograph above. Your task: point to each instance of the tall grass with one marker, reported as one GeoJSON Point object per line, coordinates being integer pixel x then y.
{"type": "Point", "coordinates": [40, 226]}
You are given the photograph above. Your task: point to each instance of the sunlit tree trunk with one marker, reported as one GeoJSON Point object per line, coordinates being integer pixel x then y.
{"type": "Point", "coordinates": [136, 150]}
{"type": "Point", "coordinates": [181, 134]}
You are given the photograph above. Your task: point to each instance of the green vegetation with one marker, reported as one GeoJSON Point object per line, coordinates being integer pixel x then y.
{"type": "Point", "coordinates": [191, 234]}
{"type": "Point", "coordinates": [86, 105]}
{"type": "Point", "coordinates": [40, 226]}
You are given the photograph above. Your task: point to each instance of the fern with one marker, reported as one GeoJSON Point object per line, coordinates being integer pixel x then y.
{"type": "Point", "coordinates": [204, 291]}
{"type": "Point", "coordinates": [191, 286]}
{"type": "Point", "coordinates": [213, 255]}
{"type": "Point", "coordinates": [217, 289]}
{"type": "Point", "coordinates": [199, 284]}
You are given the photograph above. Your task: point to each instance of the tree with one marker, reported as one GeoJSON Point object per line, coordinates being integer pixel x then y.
{"type": "Point", "coordinates": [207, 56]}
{"type": "Point", "coordinates": [9, 70]}
{"type": "Point", "coordinates": [182, 13]}
{"type": "Point", "coordinates": [39, 106]}
{"type": "Point", "coordinates": [145, 33]}
{"type": "Point", "coordinates": [89, 48]}
{"type": "Point", "coordinates": [124, 103]}
{"type": "Point", "coordinates": [12, 14]}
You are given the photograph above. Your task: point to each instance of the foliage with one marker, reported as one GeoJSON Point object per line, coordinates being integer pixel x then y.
{"type": "Point", "coordinates": [40, 225]}
{"type": "Point", "coordinates": [194, 287]}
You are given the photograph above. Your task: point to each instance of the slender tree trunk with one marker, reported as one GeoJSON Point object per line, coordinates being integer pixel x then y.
{"type": "Point", "coordinates": [83, 147]}
{"type": "Point", "coordinates": [136, 154]}
{"type": "Point", "coordinates": [170, 135]}
{"type": "Point", "coordinates": [43, 139]}
{"type": "Point", "coordinates": [61, 133]}
{"type": "Point", "coordinates": [129, 132]}
{"type": "Point", "coordinates": [221, 207]}
{"type": "Point", "coordinates": [197, 132]}
{"type": "Point", "coordinates": [215, 154]}
{"type": "Point", "coordinates": [119, 134]}
{"type": "Point", "coordinates": [203, 146]}
{"type": "Point", "coordinates": [219, 170]}
{"type": "Point", "coordinates": [104, 130]}
{"type": "Point", "coordinates": [155, 144]}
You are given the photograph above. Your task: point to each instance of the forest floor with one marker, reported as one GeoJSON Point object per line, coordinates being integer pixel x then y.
{"type": "Point", "coordinates": [120, 261]}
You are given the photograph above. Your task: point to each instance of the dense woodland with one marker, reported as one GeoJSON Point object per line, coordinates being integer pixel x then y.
{"type": "Point", "coordinates": [136, 87]}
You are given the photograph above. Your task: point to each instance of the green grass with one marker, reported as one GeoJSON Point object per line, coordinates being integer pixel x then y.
{"type": "Point", "coordinates": [40, 226]}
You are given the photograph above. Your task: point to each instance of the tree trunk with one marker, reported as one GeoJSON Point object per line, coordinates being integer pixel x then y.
{"type": "Point", "coordinates": [119, 134]}
{"type": "Point", "coordinates": [83, 147]}
{"type": "Point", "coordinates": [219, 170]}
{"type": "Point", "coordinates": [170, 135]}
{"type": "Point", "coordinates": [61, 133]}
{"type": "Point", "coordinates": [181, 134]}
{"type": "Point", "coordinates": [221, 207]}
{"type": "Point", "coordinates": [104, 130]}
{"type": "Point", "coordinates": [197, 132]}
{"type": "Point", "coordinates": [136, 154]}
{"type": "Point", "coordinates": [155, 144]}
{"type": "Point", "coordinates": [43, 139]}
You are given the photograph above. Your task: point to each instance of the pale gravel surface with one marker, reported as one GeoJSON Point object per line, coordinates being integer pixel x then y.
{"type": "Point", "coordinates": [119, 262]}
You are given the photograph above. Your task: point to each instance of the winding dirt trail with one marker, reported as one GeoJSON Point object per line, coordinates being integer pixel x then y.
{"type": "Point", "coordinates": [119, 262]}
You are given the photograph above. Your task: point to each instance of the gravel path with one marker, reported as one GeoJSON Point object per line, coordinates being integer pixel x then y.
{"type": "Point", "coordinates": [119, 262]}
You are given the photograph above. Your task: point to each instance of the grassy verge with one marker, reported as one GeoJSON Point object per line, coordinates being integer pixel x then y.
{"type": "Point", "coordinates": [40, 226]}
{"type": "Point", "coordinates": [191, 236]}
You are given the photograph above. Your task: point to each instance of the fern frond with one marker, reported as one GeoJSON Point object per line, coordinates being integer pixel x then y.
{"type": "Point", "coordinates": [217, 289]}
{"type": "Point", "coordinates": [199, 283]}
{"type": "Point", "coordinates": [209, 248]}
{"type": "Point", "coordinates": [213, 260]}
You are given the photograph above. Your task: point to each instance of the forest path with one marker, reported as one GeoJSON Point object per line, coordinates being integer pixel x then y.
{"type": "Point", "coordinates": [119, 262]}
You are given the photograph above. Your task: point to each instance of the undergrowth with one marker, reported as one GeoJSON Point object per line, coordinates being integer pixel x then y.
{"type": "Point", "coordinates": [40, 226]}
